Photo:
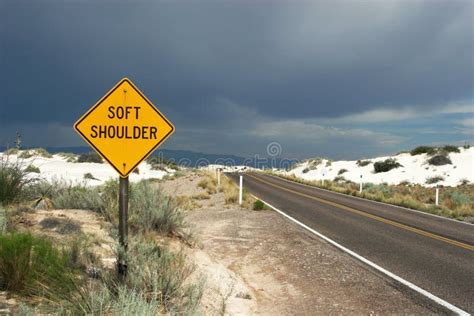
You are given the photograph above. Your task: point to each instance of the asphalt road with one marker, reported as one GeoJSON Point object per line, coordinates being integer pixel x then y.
{"type": "Point", "coordinates": [433, 253]}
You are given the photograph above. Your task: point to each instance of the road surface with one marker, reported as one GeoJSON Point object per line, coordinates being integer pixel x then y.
{"type": "Point", "coordinates": [433, 253]}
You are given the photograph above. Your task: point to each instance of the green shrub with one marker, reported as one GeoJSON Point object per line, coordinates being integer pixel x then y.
{"type": "Point", "coordinates": [77, 197]}
{"type": "Point", "coordinates": [42, 152]}
{"type": "Point", "coordinates": [258, 205]}
{"type": "Point", "coordinates": [151, 209]}
{"type": "Point", "coordinates": [13, 178]}
{"type": "Point", "coordinates": [90, 157]}
{"type": "Point", "coordinates": [32, 169]}
{"type": "Point", "coordinates": [439, 160]}
{"type": "Point", "coordinates": [458, 198]}
{"type": "Point", "coordinates": [160, 275]}
{"type": "Point", "coordinates": [12, 151]}
{"type": "Point", "coordinates": [466, 146]}
{"type": "Point", "coordinates": [386, 165]}
{"type": "Point", "coordinates": [451, 149]}
{"type": "Point", "coordinates": [89, 176]}
{"type": "Point", "coordinates": [434, 179]}
{"type": "Point", "coordinates": [306, 170]}
{"type": "Point", "coordinates": [25, 154]}
{"type": "Point", "coordinates": [341, 171]}
{"type": "Point", "coordinates": [423, 150]}
{"type": "Point", "coordinates": [31, 266]}
{"type": "Point", "coordinates": [363, 163]}
{"type": "Point", "coordinates": [339, 179]}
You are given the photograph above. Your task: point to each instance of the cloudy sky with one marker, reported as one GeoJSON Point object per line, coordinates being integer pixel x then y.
{"type": "Point", "coordinates": [342, 79]}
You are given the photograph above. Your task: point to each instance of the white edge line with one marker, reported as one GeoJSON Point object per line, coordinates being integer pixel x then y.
{"type": "Point", "coordinates": [373, 265]}
{"type": "Point", "coordinates": [360, 198]}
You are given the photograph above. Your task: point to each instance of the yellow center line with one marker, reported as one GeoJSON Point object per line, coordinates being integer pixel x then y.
{"type": "Point", "coordinates": [375, 217]}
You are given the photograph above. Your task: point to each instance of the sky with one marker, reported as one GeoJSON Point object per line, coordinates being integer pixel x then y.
{"type": "Point", "coordinates": [338, 79]}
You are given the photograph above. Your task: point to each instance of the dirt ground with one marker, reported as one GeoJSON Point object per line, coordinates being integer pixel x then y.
{"type": "Point", "coordinates": [277, 267]}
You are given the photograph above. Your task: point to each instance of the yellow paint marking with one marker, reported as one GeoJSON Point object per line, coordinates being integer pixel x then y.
{"type": "Point", "coordinates": [375, 217]}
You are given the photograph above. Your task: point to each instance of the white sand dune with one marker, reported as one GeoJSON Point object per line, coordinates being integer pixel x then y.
{"type": "Point", "coordinates": [57, 168]}
{"type": "Point", "coordinates": [415, 169]}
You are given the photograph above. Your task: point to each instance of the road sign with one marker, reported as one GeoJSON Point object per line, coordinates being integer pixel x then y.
{"type": "Point", "coordinates": [124, 127]}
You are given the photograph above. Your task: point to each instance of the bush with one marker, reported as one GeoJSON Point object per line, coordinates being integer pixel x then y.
{"type": "Point", "coordinates": [451, 149]}
{"type": "Point", "coordinates": [89, 176]}
{"type": "Point", "coordinates": [76, 197]}
{"type": "Point", "coordinates": [151, 209]}
{"type": "Point", "coordinates": [341, 171]}
{"type": "Point", "coordinates": [439, 160]}
{"type": "Point", "coordinates": [90, 157]}
{"type": "Point", "coordinates": [305, 170]}
{"type": "Point", "coordinates": [258, 205]}
{"type": "Point", "coordinates": [363, 163]}
{"type": "Point", "coordinates": [466, 146]}
{"type": "Point", "coordinates": [434, 179]}
{"type": "Point", "coordinates": [386, 165]}
{"type": "Point", "coordinates": [160, 276]}
{"type": "Point", "coordinates": [423, 150]}
{"type": "Point", "coordinates": [13, 178]}
{"type": "Point", "coordinates": [32, 169]}
{"type": "Point", "coordinates": [31, 266]}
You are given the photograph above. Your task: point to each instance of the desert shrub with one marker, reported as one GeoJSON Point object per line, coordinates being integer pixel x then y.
{"type": "Point", "coordinates": [363, 163]}
{"type": "Point", "coordinates": [328, 163]}
{"type": "Point", "coordinates": [32, 169]}
{"type": "Point", "coordinates": [12, 151]}
{"type": "Point", "coordinates": [339, 179]}
{"type": "Point", "coordinates": [90, 157]}
{"type": "Point", "coordinates": [160, 275]}
{"type": "Point", "coordinates": [464, 181]}
{"type": "Point", "coordinates": [13, 178]}
{"type": "Point", "coordinates": [89, 176]}
{"type": "Point", "coordinates": [341, 171]}
{"type": "Point", "coordinates": [434, 179]}
{"type": "Point", "coordinates": [209, 184]}
{"type": "Point", "coordinates": [439, 160]}
{"type": "Point", "coordinates": [386, 165]}
{"type": "Point", "coordinates": [457, 198]}
{"type": "Point", "coordinates": [451, 149]}
{"type": "Point", "coordinates": [32, 266]}
{"type": "Point", "coordinates": [258, 205]}
{"type": "Point", "coordinates": [25, 154]}
{"type": "Point", "coordinates": [306, 170]}
{"type": "Point", "coordinates": [159, 163]}
{"type": "Point", "coordinates": [109, 193]}
{"type": "Point", "coordinates": [423, 150]}
{"type": "Point", "coordinates": [151, 209]}
{"type": "Point", "coordinates": [70, 196]}
{"type": "Point", "coordinates": [42, 152]}
{"type": "Point", "coordinates": [466, 146]}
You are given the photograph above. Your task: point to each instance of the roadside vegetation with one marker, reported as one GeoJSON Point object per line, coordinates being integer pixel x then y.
{"type": "Point", "coordinates": [455, 202]}
{"type": "Point", "coordinates": [61, 274]}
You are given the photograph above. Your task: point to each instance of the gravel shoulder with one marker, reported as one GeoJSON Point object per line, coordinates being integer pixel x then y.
{"type": "Point", "coordinates": [276, 267]}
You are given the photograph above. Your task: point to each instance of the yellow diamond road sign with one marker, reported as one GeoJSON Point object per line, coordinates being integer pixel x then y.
{"type": "Point", "coordinates": [124, 127]}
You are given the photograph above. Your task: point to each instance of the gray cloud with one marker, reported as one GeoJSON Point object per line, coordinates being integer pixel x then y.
{"type": "Point", "coordinates": [217, 68]}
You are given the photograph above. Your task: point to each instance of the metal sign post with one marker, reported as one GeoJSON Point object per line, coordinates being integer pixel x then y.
{"type": "Point", "coordinates": [123, 225]}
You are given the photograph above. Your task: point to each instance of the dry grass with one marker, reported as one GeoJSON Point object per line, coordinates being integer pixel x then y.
{"type": "Point", "coordinates": [455, 202]}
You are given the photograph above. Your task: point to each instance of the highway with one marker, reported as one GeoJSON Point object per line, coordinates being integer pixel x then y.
{"type": "Point", "coordinates": [433, 253]}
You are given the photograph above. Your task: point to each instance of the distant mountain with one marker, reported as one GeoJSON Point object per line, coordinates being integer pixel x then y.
{"type": "Point", "coordinates": [195, 159]}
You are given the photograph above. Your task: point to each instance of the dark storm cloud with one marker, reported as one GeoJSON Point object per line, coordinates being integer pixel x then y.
{"type": "Point", "coordinates": [218, 64]}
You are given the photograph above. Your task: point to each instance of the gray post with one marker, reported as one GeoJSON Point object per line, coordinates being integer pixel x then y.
{"type": "Point", "coordinates": [123, 224]}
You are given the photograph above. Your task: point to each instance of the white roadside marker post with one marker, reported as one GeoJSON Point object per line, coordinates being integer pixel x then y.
{"type": "Point", "coordinates": [218, 178]}
{"type": "Point", "coordinates": [437, 196]}
{"type": "Point", "coordinates": [241, 189]}
{"type": "Point", "coordinates": [360, 188]}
